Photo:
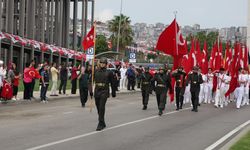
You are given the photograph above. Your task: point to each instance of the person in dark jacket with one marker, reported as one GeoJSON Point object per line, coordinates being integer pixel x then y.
{"type": "Point", "coordinates": [138, 76]}
{"type": "Point", "coordinates": [163, 83]}
{"type": "Point", "coordinates": [44, 84]}
{"type": "Point", "coordinates": [146, 78]}
{"type": "Point", "coordinates": [180, 85]}
{"type": "Point", "coordinates": [63, 78]}
{"type": "Point", "coordinates": [131, 77]}
{"type": "Point", "coordinates": [103, 79]}
{"type": "Point", "coordinates": [84, 78]}
{"type": "Point", "coordinates": [194, 79]}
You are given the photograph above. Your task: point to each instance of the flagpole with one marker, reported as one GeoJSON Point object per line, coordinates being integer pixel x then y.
{"type": "Point", "coordinates": [119, 30]}
{"type": "Point", "coordinates": [93, 69]}
{"type": "Point", "coordinates": [176, 42]}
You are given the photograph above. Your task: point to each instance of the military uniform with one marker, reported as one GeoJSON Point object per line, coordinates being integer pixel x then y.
{"type": "Point", "coordinates": [146, 79]}
{"type": "Point", "coordinates": [163, 83]}
{"type": "Point", "coordinates": [103, 78]}
{"type": "Point", "coordinates": [179, 76]}
{"type": "Point", "coordinates": [83, 87]}
{"type": "Point", "coordinates": [195, 79]}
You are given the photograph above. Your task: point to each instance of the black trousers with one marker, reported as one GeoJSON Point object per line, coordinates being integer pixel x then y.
{"type": "Point", "coordinates": [27, 90]}
{"type": "Point", "coordinates": [83, 95]}
{"type": "Point", "coordinates": [100, 103]}
{"type": "Point", "coordinates": [15, 90]}
{"type": "Point", "coordinates": [131, 83]}
{"type": "Point", "coordinates": [195, 99]}
{"type": "Point", "coordinates": [73, 88]}
{"type": "Point", "coordinates": [179, 97]}
{"type": "Point", "coordinates": [138, 82]}
{"type": "Point", "coordinates": [63, 85]}
{"type": "Point", "coordinates": [145, 97]}
{"type": "Point", "coordinates": [161, 100]}
{"type": "Point", "coordinates": [44, 90]}
{"type": "Point", "coordinates": [32, 87]}
{"type": "Point", "coordinates": [113, 89]}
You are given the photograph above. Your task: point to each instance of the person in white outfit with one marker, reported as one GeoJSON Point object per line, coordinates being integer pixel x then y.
{"type": "Point", "coordinates": [222, 80]}
{"type": "Point", "coordinates": [202, 93]}
{"type": "Point", "coordinates": [208, 79]}
{"type": "Point", "coordinates": [246, 89]}
{"type": "Point", "coordinates": [123, 71]}
{"type": "Point", "coordinates": [2, 73]}
{"type": "Point", "coordinates": [240, 92]}
{"type": "Point", "coordinates": [187, 95]}
{"type": "Point", "coordinates": [54, 74]}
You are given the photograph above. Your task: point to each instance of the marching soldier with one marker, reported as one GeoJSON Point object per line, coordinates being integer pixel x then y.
{"type": "Point", "coordinates": [103, 78]}
{"type": "Point", "coordinates": [195, 79]}
{"type": "Point", "coordinates": [83, 78]}
{"type": "Point", "coordinates": [179, 76]}
{"type": "Point", "coordinates": [146, 78]}
{"type": "Point", "coordinates": [163, 83]}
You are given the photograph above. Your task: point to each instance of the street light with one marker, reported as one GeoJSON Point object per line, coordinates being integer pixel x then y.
{"type": "Point", "coordinates": [119, 29]}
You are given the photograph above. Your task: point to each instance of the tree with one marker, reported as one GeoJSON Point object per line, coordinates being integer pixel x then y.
{"type": "Point", "coordinates": [101, 44]}
{"type": "Point", "coordinates": [126, 33]}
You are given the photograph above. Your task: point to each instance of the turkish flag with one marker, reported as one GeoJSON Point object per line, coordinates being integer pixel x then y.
{"type": "Point", "coordinates": [228, 57]}
{"type": "Point", "coordinates": [89, 40]}
{"type": "Point", "coordinates": [234, 71]}
{"type": "Point", "coordinates": [169, 39]}
{"type": "Point", "coordinates": [204, 61]}
{"type": "Point", "coordinates": [33, 73]}
{"type": "Point", "coordinates": [245, 58]}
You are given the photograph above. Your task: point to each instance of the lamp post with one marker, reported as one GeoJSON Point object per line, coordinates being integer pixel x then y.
{"type": "Point", "coordinates": [119, 29]}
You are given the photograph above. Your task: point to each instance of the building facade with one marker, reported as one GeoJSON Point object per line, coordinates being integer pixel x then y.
{"type": "Point", "coordinates": [44, 21]}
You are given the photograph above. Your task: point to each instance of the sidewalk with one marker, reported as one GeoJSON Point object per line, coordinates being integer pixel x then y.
{"type": "Point", "coordinates": [236, 138]}
{"type": "Point", "coordinates": [68, 95]}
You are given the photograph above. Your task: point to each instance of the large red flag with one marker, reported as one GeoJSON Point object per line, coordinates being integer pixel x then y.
{"type": "Point", "coordinates": [245, 58]}
{"type": "Point", "coordinates": [171, 41]}
{"type": "Point", "coordinates": [89, 40]}
{"type": "Point", "coordinates": [198, 53]}
{"type": "Point", "coordinates": [204, 61]}
{"type": "Point", "coordinates": [228, 57]}
{"type": "Point", "coordinates": [235, 67]}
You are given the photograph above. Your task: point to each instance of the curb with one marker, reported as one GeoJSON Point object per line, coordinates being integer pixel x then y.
{"type": "Point", "coordinates": [21, 101]}
{"type": "Point", "coordinates": [236, 138]}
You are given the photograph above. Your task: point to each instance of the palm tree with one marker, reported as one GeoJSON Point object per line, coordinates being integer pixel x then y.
{"type": "Point", "coordinates": [126, 33]}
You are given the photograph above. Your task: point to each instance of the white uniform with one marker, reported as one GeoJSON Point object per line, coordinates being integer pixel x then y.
{"type": "Point", "coordinates": [187, 95]}
{"type": "Point", "coordinates": [202, 87]}
{"type": "Point", "coordinates": [222, 79]}
{"type": "Point", "coordinates": [123, 71]}
{"type": "Point", "coordinates": [208, 79]}
{"type": "Point", "coordinates": [246, 91]}
{"type": "Point", "coordinates": [240, 90]}
{"type": "Point", "coordinates": [2, 75]}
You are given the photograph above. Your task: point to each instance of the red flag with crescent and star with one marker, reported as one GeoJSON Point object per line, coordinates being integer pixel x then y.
{"type": "Point", "coordinates": [89, 40]}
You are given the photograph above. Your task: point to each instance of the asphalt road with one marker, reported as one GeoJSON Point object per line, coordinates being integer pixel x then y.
{"type": "Point", "coordinates": [64, 125]}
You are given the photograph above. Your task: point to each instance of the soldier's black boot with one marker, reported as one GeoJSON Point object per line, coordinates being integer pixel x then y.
{"type": "Point", "coordinates": [160, 112]}
{"type": "Point", "coordinates": [144, 107]}
{"type": "Point", "coordinates": [99, 127]}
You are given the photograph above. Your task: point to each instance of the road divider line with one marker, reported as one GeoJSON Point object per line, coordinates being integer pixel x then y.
{"type": "Point", "coordinates": [69, 112]}
{"type": "Point", "coordinates": [227, 136]}
{"type": "Point", "coordinates": [96, 132]}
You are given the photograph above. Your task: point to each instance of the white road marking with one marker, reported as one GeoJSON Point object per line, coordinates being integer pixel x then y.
{"type": "Point", "coordinates": [224, 138]}
{"type": "Point", "coordinates": [69, 112]}
{"type": "Point", "coordinates": [96, 132]}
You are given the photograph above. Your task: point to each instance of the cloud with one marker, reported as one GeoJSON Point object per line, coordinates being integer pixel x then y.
{"type": "Point", "coordinates": [105, 15]}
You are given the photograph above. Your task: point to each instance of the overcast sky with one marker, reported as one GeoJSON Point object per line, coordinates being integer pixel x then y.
{"type": "Point", "coordinates": [207, 13]}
